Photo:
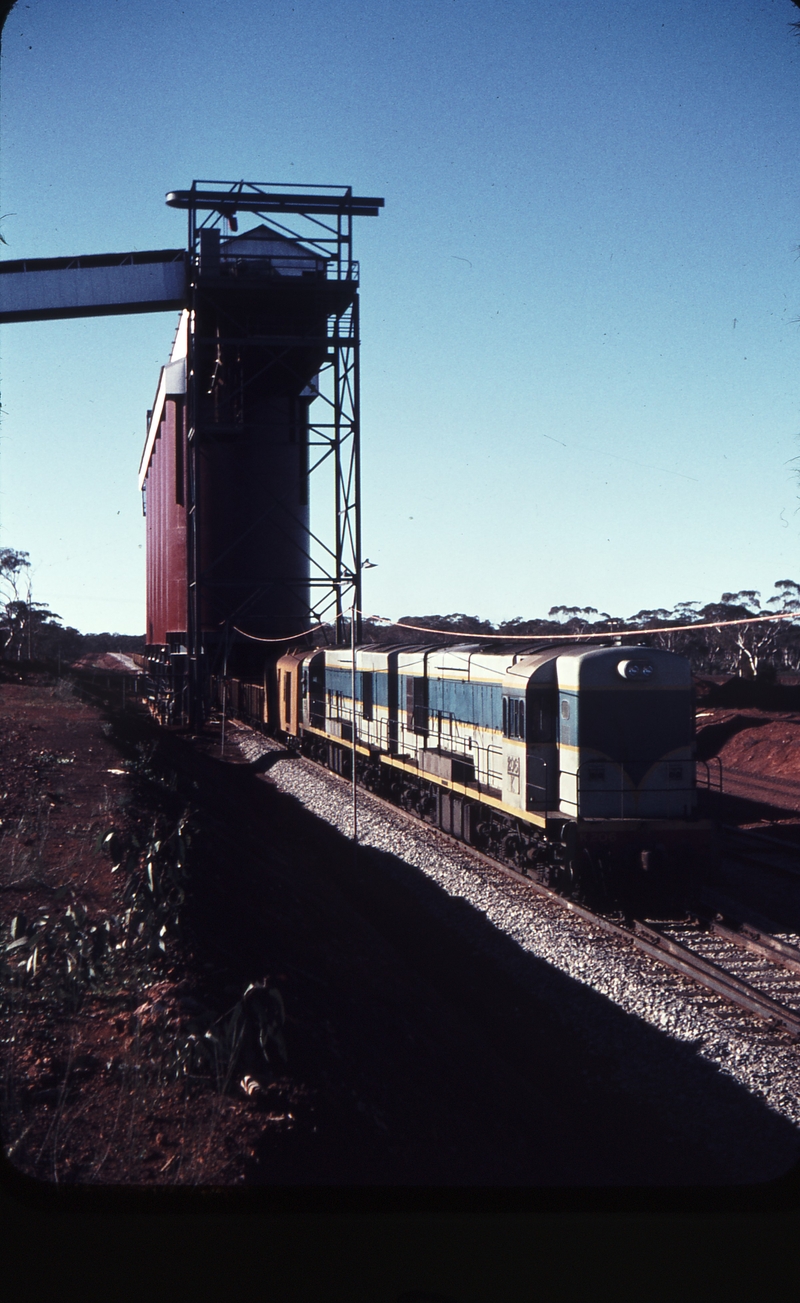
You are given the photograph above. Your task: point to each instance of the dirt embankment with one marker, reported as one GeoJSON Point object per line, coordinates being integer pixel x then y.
{"type": "Point", "coordinates": [755, 754]}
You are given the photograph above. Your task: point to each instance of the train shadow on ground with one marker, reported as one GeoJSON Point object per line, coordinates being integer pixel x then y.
{"type": "Point", "coordinates": [726, 808]}
{"type": "Point", "coordinates": [433, 1050]}
{"type": "Point", "coordinates": [653, 1106]}
{"type": "Point", "coordinates": [764, 898]}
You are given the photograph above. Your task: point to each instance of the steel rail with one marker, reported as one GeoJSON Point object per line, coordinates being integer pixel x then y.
{"type": "Point", "coordinates": [716, 979]}
{"type": "Point", "coordinates": [759, 943]}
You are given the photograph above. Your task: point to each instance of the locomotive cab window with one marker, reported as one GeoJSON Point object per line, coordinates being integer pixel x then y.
{"type": "Point", "coordinates": [513, 717]}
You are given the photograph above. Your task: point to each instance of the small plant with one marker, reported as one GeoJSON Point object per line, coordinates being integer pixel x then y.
{"type": "Point", "coordinates": [177, 1038]}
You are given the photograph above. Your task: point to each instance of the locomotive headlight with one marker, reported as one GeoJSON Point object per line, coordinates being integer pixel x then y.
{"type": "Point", "coordinates": [635, 669]}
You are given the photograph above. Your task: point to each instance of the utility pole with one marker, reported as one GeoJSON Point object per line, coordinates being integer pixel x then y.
{"type": "Point", "coordinates": [224, 696]}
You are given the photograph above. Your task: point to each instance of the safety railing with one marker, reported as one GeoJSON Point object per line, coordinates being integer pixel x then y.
{"type": "Point", "coordinates": [302, 265]}
{"type": "Point", "coordinates": [709, 785]}
{"type": "Point", "coordinates": [592, 779]}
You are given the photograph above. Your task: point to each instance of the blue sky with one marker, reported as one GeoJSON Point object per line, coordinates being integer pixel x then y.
{"type": "Point", "coordinates": [580, 378]}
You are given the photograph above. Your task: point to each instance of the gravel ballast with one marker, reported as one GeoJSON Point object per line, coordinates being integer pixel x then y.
{"type": "Point", "coordinates": [705, 1030]}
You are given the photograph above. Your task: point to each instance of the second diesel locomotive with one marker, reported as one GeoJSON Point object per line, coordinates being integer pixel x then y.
{"type": "Point", "coordinates": [575, 764]}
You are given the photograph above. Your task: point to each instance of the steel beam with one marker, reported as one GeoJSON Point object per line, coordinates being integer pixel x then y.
{"type": "Point", "coordinates": [326, 200]}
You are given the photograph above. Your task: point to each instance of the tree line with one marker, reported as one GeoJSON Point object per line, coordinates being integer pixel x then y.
{"type": "Point", "coordinates": [30, 631]}
{"type": "Point", "coordinates": [747, 650]}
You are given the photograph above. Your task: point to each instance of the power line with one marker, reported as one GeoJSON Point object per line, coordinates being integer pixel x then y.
{"type": "Point", "coordinates": [527, 637]}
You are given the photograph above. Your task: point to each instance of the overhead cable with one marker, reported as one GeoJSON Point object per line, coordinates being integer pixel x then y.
{"type": "Point", "coordinates": [538, 637]}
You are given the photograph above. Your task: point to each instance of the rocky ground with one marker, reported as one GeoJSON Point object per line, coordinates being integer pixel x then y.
{"type": "Point", "coordinates": [203, 984]}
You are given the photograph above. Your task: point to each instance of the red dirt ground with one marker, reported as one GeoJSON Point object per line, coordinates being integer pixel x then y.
{"type": "Point", "coordinates": [63, 788]}
{"type": "Point", "coordinates": [759, 751]}
{"type": "Point", "coordinates": [758, 742]}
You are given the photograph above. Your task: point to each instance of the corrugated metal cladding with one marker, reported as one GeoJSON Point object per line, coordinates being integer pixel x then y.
{"type": "Point", "coordinates": [166, 529]}
{"type": "Point", "coordinates": [260, 319]}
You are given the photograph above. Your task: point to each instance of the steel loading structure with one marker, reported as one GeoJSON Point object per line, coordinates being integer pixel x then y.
{"type": "Point", "coordinates": [271, 327]}
{"type": "Point", "coordinates": [268, 327]}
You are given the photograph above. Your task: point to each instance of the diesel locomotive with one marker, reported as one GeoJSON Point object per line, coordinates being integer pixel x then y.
{"type": "Point", "coordinates": [574, 763]}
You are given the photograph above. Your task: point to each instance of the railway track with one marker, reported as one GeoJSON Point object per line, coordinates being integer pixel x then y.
{"type": "Point", "coordinates": [709, 954]}
{"type": "Point", "coordinates": [668, 945]}
{"type": "Point", "coordinates": [716, 956]}
{"type": "Point", "coordinates": [766, 984]}
{"type": "Point", "coordinates": [758, 992]}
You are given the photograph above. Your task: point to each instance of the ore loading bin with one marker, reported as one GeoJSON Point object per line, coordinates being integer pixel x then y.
{"type": "Point", "coordinates": [240, 380]}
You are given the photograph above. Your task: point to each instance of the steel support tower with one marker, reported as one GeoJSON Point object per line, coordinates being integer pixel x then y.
{"type": "Point", "coordinates": [318, 221]}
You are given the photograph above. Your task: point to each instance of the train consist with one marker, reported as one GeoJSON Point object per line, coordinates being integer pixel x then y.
{"type": "Point", "coordinates": [575, 764]}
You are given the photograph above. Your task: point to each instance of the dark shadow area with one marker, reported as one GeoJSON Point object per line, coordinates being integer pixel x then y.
{"type": "Point", "coordinates": [266, 762]}
{"type": "Point", "coordinates": [747, 895]}
{"type": "Point", "coordinates": [434, 1050]}
{"type": "Point", "coordinates": [760, 692]}
{"type": "Point", "coordinates": [711, 738]}
{"type": "Point", "coordinates": [726, 808]}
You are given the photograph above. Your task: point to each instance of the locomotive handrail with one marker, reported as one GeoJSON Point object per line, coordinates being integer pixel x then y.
{"type": "Point", "coordinates": [622, 790]}
{"type": "Point", "coordinates": [706, 764]}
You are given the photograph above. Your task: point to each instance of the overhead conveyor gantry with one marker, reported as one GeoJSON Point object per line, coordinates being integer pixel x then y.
{"type": "Point", "coordinates": [97, 285]}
